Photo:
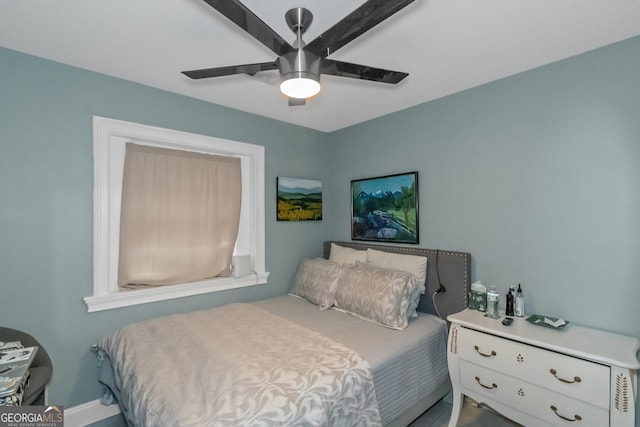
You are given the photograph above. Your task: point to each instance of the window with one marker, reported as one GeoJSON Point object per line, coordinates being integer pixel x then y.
{"type": "Point", "coordinates": [109, 140]}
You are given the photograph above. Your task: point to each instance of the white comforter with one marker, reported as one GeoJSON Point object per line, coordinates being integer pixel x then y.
{"type": "Point", "coordinates": [238, 365]}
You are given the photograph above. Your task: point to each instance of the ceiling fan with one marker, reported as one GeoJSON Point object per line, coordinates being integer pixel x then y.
{"type": "Point", "coordinates": [300, 65]}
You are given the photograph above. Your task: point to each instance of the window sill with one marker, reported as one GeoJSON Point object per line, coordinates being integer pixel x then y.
{"type": "Point", "coordinates": [128, 298]}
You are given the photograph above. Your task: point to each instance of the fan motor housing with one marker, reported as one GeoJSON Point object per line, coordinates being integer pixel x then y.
{"type": "Point", "coordinates": [300, 64]}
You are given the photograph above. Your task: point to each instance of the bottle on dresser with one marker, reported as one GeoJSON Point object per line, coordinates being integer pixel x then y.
{"type": "Point", "coordinates": [519, 302]}
{"type": "Point", "coordinates": [493, 298]}
{"type": "Point", "coordinates": [509, 309]}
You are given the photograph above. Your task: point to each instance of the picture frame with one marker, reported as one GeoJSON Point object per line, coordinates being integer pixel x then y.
{"type": "Point", "coordinates": [298, 199]}
{"type": "Point", "coordinates": [385, 208]}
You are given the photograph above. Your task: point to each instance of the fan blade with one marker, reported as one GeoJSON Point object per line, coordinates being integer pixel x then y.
{"type": "Point", "coordinates": [353, 25]}
{"type": "Point", "coordinates": [240, 15]}
{"type": "Point", "coordinates": [297, 102]}
{"type": "Point", "coordinates": [355, 71]}
{"type": "Point", "coordinates": [250, 69]}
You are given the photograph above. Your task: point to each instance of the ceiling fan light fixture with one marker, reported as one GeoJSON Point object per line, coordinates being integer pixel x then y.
{"type": "Point", "coordinates": [300, 85]}
{"type": "Point", "coordinates": [301, 64]}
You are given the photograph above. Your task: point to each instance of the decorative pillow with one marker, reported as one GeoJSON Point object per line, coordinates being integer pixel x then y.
{"type": "Point", "coordinates": [412, 264]}
{"type": "Point", "coordinates": [341, 255]}
{"type": "Point", "coordinates": [378, 295]}
{"type": "Point", "coordinates": [316, 281]}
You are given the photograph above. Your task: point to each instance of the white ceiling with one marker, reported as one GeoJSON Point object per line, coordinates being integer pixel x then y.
{"type": "Point", "coordinates": [445, 45]}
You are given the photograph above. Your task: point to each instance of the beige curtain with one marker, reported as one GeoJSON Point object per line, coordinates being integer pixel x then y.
{"type": "Point", "coordinates": [179, 217]}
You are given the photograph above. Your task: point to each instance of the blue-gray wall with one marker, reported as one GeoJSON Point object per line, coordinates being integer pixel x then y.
{"type": "Point", "coordinates": [536, 175]}
{"type": "Point", "coordinates": [46, 205]}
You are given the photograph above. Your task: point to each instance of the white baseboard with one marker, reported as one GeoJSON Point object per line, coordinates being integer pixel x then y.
{"type": "Point", "coordinates": [87, 413]}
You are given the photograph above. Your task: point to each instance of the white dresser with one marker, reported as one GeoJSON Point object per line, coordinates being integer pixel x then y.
{"type": "Point", "coordinates": [538, 376]}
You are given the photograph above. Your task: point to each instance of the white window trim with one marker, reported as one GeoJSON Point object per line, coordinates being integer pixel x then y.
{"type": "Point", "coordinates": [109, 139]}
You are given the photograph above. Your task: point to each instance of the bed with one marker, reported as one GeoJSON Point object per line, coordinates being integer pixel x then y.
{"type": "Point", "coordinates": [339, 356]}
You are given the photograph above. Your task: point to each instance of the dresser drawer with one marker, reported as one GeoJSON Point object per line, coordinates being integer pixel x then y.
{"type": "Point", "coordinates": [575, 378]}
{"type": "Point", "coordinates": [550, 407]}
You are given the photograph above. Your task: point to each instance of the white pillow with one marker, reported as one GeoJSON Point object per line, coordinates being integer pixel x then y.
{"type": "Point", "coordinates": [341, 255]}
{"type": "Point", "coordinates": [412, 264]}
{"type": "Point", "coordinates": [316, 281]}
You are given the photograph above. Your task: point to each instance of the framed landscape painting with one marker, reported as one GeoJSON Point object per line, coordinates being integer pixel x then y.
{"type": "Point", "coordinates": [385, 208]}
{"type": "Point", "coordinates": [299, 199]}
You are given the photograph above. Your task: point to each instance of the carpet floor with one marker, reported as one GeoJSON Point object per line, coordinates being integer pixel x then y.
{"type": "Point", "coordinates": [472, 416]}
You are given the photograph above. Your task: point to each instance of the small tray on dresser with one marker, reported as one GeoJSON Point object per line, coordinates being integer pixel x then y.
{"type": "Point", "coordinates": [538, 320]}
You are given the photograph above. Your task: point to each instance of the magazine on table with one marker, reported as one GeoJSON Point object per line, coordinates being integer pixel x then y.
{"type": "Point", "coordinates": [14, 367]}
{"type": "Point", "coordinates": [11, 345]}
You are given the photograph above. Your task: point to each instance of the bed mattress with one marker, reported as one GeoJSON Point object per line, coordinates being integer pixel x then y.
{"type": "Point", "coordinates": [407, 365]}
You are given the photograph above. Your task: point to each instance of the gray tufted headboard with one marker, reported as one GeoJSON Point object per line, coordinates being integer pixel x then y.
{"type": "Point", "coordinates": [453, 269]}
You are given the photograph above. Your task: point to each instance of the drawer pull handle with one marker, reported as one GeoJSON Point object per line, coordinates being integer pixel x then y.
{"type": "Point", "coordinates": [477, 349]}
{"type": "Point", "coordinates": [486, 386]}
{"type": "Point", "coordinates": [575, 379]}
{"type": "Point", "coordinates": [575, 417]}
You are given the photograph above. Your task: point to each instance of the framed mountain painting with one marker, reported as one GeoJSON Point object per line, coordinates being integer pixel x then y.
{"type": "Point", "coordinates": [385, 208]}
